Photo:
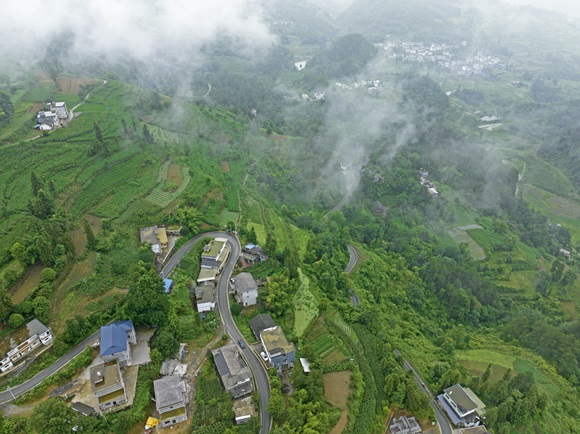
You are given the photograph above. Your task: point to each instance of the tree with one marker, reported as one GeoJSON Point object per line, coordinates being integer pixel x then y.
{"type": "Point", "coordinates": [98, 132]}
{"type": "Point", "coordinates": [166, 342]}
{"type": "Point", "coordinates": [271, 245]}
{"type": "Point", "coordinates": [236, 309]}
{"type": "Point", "coordinates": [5, 305]}
{"type": "Point", "coordinates": [189, 218]}
{"type": "Point", "coordinates": [36, 183]}
{"type": "Point", "coordinates": [44, 249]}
{"type": "Point", "coordinates": [146, 304]}
{"type": "Point", "coordinates": [48, 274]}
{"type": "Point", "coordinates": [52, 416]}
{"type": "Point", "coordinates": [15, 320]}
{"type": "Point", "coordinates": [276, 404]}
{"type": "Point", "coordinates": [91, 239]}
{"type": "Point", "coordinates": [18, 252]}
{"type": "Point", "coordinates": [41, 307]}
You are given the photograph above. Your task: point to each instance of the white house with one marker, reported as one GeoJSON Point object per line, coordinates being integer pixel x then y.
{"type": "Point", "coordinates": [245, 289]}
{"type": "Point", "coordinates": [116, 340]}
{"type": "Point", "coordinates": [205, 295]}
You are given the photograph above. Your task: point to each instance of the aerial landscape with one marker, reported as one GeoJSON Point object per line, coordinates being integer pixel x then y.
{"type": "Point", "coordinates": [310, 216]}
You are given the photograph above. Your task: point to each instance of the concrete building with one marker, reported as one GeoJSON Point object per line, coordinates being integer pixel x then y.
{"type": "Point", "coordinates": [462, 406]}
{"type": "Point", "coordinates": [116, 341]}
{"type": "Point", "coordinates": [38, 335]}
{"type": "Point", "coordinates": [155, 236]}
{"type": "Point", "coordinates": [279, 351]}
{"type": "Point", "coordinates": [59, 108]}
{"type": "Point", "coordinates": [245, 289]}
{"type": "Point", "coordinates": [205, 297]}
{"type": "Point", "coordinates": [244, 410]}
{"type": "Point", "coordinates": [234, 373]}
{"type": "Point", "coordinates": [108, 386]}
{"type": "Point", "coordinates": [404, 425]}
{"type": "Point", "coordinates": [261, 322]}
{"type": "Point", "coordinates": [171, 397]}
{"type": "Point", "coordinates": [214, 254]}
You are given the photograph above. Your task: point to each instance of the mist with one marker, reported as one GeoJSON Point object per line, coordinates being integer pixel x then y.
{"type": "Point", "coordinates": [566, 7]}
{"type": "Point", "coordinates": [110, 31]}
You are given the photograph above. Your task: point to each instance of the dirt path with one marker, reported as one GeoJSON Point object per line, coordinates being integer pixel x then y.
{"type": "Point", "coordinates": [336, 392]}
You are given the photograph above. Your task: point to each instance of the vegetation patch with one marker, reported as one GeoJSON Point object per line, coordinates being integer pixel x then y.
{"type": "Point", "coordinates": [336, 392]}
{"type": "Point", "coordinates": [305, 306]}
{"type": "Point", "coordinates": [460, 236]}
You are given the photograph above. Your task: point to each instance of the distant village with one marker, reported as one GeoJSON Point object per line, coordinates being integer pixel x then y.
{"type": "Point", "coordinates": [53, 115]}
{"type": "Point", "coordinates": [442, 55]}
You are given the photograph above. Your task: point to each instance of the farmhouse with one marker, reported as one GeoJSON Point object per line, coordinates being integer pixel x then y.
{"type": "Point", "coordinates": [205, 296]}
{"type": "Point", "coordinates": [261, 322]}
{"type": "Point", "coordinates": [171, 396]}
{"type": "Point", "coordinates": [47, 118]}
{"type": "Point", "coordinates": [155, 236]}
{"type": "Point", "coordinates": [245, 289]}
{"type": "Point", "coordinates": [115, 342]}
{"type": "Point", "coordinates": [59, 108]}
{"type": "Point", "coordinates": [244, 410]}
{"type": "Point", "coordinates": [38, 334]}
{"type": "Point", "coordinates": [463, 406]}
{"type": "Point", "coordinates": [214, 254]}
{"type": "Point", "coordinates": [279, 351]}
{"type": "Point", "coordinates": [235, 375]}
{"type": "Point", "coordinates": [107, 384]}
{"type": "Point", "coordinates": [404, 425]}
{"type": "Point", "coordinates": [254, 252]}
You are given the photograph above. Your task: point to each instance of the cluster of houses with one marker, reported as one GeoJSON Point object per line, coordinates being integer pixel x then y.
{"type": "Point", "coordinates": [213, 259]}
{"type": "Point", "coordinates": [38, 336]}
{"type": "Point", "coordinates": [424, 175]}
{"type": "Point", "coordinates": [372, 87]}
{"type": "Point", "coordinates": [51, 116]}
{"type": "Point", "coordinates": [160, 238]}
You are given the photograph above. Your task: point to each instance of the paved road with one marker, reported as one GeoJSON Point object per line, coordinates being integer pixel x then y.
{"type": "Point", "coordinates": [444, 424]}
{"type": "Point", "coordinates": [55, 367]}
{"type": "Point", "coordinates": [354, 257]}
{"type": "Point", "coordinates": [230, 328]}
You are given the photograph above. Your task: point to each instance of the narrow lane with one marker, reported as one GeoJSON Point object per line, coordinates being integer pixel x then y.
{"type": "Point", "coordinates": [442, 420]}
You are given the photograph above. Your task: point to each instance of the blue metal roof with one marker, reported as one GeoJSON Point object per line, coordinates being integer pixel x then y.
{"type": "Point", "coordinates": [114, 337]}
{"type": "Point", "coordinates": [167, 283]}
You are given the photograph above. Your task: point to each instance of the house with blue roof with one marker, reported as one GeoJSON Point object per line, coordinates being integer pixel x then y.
{"type": "Point", "coordinates": [168, 285]}
{"type": "Point", "coordinates": [116, 341]}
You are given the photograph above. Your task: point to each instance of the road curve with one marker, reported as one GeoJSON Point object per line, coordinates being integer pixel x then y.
{"type": "Point", "coordinates": [230, 328]}
{"type": "Point", "coordinates": [52, 369]}
{"type": "Point", "coordinates": [442, 420]}
{"type": "Point", "coordinates": [354, 257]}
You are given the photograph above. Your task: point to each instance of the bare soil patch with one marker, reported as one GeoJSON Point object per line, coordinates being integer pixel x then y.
{"type": "Point", "coordinates": [72, 85]}
{"type": "Point", "coordinates": [175, 174]}
{"type": "Point", "coordinates": [336, 392]}
{"type": "Point", "coordinates": [225, 166]}
{"type": "Point", "coordinates": [23, 287]}
{"type": "Point", "coordinates": [278, 137]}
{"type": "Point", "coordinates": [95, 222]}
{"type": "Point", "coordinates": [79, 240]}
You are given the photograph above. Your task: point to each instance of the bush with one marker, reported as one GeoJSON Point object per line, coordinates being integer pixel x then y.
{"type": "Point", "coordinates": [236, 309]}
{"type": "Point", "coordinates": [48, 274]}
{"type": "Point", "coordinates": [15, 320]}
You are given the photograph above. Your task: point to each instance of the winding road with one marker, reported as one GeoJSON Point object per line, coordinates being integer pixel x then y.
{"type": "Point", "coordinates": [230, 328]}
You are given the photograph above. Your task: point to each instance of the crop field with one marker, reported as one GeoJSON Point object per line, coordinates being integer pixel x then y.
{"type": "Point", "coordinates": [476, 362]}
{"type": "Point", "coordinates": [325, 345]}
{"type": "Point", "coordinates": [305, 306]}
{"type": "Point", "coordinates": [547, 177]}
{"type": "Point", "coordinates": [460, 236]}
{"type": "Point", "coordinates": [558, 209]}
{"type": "Point", "coordinates": [26, 284]}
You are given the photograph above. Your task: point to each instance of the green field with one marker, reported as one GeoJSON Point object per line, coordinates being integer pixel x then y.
{"type": "Point", "coordinates": [305, 306]}
{"type": "Point", "coordinates": [460, 236]}
{"type": "Point", "coordinates": [325, 345]}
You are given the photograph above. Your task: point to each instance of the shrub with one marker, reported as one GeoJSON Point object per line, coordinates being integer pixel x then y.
{"type": "Point", "coordinates": [15, 320]}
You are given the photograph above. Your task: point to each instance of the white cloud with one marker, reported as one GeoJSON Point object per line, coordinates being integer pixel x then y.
{"type": "Point", "coordinates": [113, 29]}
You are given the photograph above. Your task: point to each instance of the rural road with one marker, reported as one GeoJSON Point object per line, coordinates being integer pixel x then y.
{"type": "Point", "coordinates": [442, 420]}
{"type": "Point", "coordinates": [230, 328]}
{"type": "Point", "coordinates": [52, 369]}
{"type": "Point", "coordinates": [354, 257]}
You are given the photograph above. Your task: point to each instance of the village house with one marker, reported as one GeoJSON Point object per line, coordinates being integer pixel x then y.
{"type": "Point", "coordinates": [234, 374]}
{"type": "Point", "coordinates": [462, 406]}
{"type": "Point", "coordinates": [205, 297]}
{"type": "Point", "coordinates": [404, 425]}
{"type": "Point", "coordinates": [279, 351]}
{"type": "Point", "coordinates": [245, 289]}
{"type": "Point", "coordinates": [255, 252]}
{"type": "Point", "coordinates": [171, 397]}
{"type": "Point", "coordinates": [261, 322]}
{"type": "Point", "coordinates": [59, 108]}
{"type": "Point", "coordinates": [116, 341]}
{"type": "Point", "coordinates": [47, 118]}
{"type": "Point", "coordinates": [155, 236]}
{"type": "Point", "coordinates": [108, 386]}
{"type": "Point", "coordinates": [244, 410]}
{"type": "Point", "coordinates": [214, 254]}
{"type": "Point", "coordinates": [38, 335]}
